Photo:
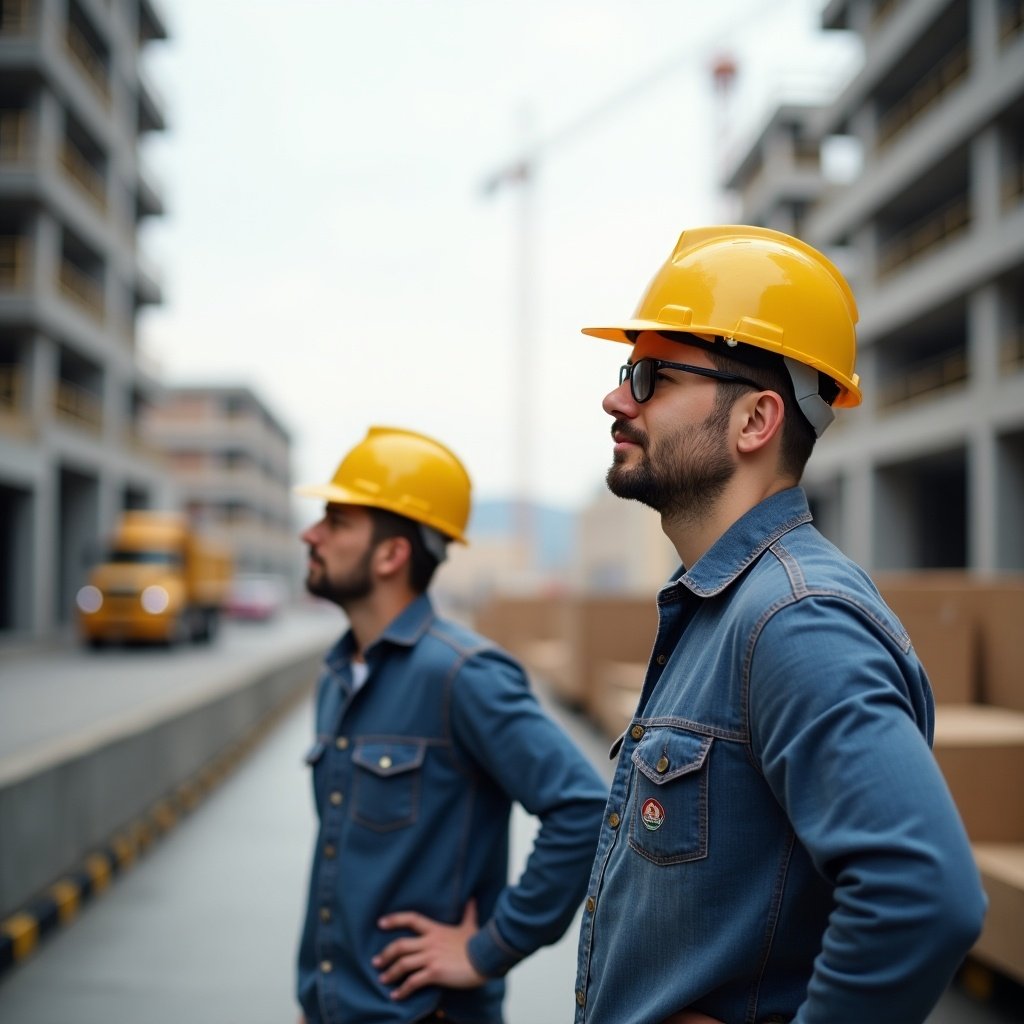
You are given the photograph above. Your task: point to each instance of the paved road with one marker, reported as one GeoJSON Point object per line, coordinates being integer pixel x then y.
{"type": "Point", "coordinates": [203, 928]}
{"type": "Point", "coordinates": [71, 698]}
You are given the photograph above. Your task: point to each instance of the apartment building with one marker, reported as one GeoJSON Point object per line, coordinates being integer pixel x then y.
{"type": "Point", "coordinates": [230, 459]}
{"type": "Point", "coordinates": [929, 471]}
{"type": "Point", "coordinates": [74, 104]}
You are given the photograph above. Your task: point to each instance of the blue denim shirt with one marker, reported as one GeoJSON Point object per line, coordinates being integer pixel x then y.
{"type": "Point", "coordinates": [778, 844]}
{"type": "Point", "coordinates": [414, 775]}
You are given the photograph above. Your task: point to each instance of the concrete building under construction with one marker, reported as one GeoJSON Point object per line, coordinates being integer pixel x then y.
{"type": "Point", "coordinates": [74, 104]}
{"type": "Point", "coordinates": [929, 471]}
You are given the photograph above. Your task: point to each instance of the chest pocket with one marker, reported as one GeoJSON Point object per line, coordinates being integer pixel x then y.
{"type": "Point", "coordinates": [669, 819]}
{"type": "Point", "coordinates": [386, 782]}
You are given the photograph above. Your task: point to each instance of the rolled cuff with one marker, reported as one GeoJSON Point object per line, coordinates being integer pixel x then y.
{"type": "Point", "coordinates": [490, 954]}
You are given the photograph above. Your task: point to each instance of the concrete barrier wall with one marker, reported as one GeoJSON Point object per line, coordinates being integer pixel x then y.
{"type": "Point", "coordinates": [53, 815]}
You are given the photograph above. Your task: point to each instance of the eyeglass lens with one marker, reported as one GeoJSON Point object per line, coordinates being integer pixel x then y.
{"type": "Point", "coordinates": [641, 379]}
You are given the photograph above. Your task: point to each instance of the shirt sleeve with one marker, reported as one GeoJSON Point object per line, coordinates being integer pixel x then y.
{"type": "Point", "coordinates": [840, 714]}
{"type": "Point", "coordinates": [497, 719]}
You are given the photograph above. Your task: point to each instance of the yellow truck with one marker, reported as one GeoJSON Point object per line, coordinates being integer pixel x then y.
{"type": "Point", "coordinates": [160, 581]}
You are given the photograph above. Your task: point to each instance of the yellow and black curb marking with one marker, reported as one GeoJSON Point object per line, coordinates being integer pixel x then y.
{"type": "Point", "coordinates": [59, 905]}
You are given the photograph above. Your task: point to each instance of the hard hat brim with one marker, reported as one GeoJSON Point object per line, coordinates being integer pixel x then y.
{"type": "Point", "coordinates": [341, 496]}
{"type": "Point", "coordinates": [849, 390]}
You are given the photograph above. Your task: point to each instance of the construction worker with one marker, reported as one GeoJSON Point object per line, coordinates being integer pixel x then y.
{"type": "Point", "coordinates": [778, 844]}
{"type": "Point", "coordinates": [425, 735]}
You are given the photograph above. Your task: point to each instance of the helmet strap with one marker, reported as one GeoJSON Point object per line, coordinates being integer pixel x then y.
{"type": "Point", "coordinates": [434, 541]}
{"type": "Point", "coordinates": [805, 385]}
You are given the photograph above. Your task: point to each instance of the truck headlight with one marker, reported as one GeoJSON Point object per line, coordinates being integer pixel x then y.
{"type": "Point", "coordinates": [89, 599]}
{"type": "Point", "coordinates": [155, 600]}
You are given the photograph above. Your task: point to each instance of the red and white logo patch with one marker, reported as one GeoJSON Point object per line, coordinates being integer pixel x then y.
{"type": "Point", "coordinates": [652, 814]}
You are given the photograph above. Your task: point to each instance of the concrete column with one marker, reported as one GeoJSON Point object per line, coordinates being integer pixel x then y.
{"type": "Point", "coordinates": [984, 181]}
{"type": "Point", "coordinates": [983, 379]}
{"type": "Point", "coordinates": [858, 497]}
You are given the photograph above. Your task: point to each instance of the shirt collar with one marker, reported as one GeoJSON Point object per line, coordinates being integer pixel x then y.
{"type": "Point", "coordinates": [742, 544]}
{"type": "Point", "coordinates": [403, 631]}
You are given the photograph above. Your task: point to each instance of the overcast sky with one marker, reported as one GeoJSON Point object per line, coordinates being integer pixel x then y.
{"type": "Point", "coordinates": [328, 242]}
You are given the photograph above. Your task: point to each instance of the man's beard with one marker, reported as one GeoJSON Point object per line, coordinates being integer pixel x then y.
{"type": "Point", "coordinates": [353, 587]}
{"type": "Point", "coordinates": [681, 476]}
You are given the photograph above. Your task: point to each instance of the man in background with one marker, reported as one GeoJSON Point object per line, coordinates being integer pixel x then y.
{"type": "Point", "coordinates": [425, 735]}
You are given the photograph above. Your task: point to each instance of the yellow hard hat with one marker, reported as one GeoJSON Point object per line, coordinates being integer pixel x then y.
{"type": "Point", "coordinates": [757, 286]}
{"type": "Point", "coordinates": [403, 472]}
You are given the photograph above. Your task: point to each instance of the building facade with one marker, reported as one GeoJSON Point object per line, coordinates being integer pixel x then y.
{"type": "Point", "coordinates": [929, 471]}
{"type": "Point", "coordinates": [230, 459]}
{"type": "Point", "coordinates": [74, 104]}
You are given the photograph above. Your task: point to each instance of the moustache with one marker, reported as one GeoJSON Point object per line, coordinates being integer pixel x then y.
{"type": "Point", "coordinates": [623, 430]}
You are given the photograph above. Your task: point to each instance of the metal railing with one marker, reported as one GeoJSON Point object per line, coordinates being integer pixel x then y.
{"type": "Point", "coordinates": [11, 382]}
{"type": "Point", "coordinates": [1011, 21]}
{"type": "Point", "coordinates": [78, 404]}
{"type": "Point", "coordinates": [924, 379]}
{"type": "Point", "coordinates": [1011, 352]}
{"type": "Point", "coordinates": [84, 175]}
{"type": "Point", "coordinates": [1013, 184]}
{"type": "Point", "coordinates": [81, 289]}
{"type": "Point", "coordinates": [88, 61]}
{"type": "Point", "coordinates": [14, 136]}
{"type": "Point", "coordinates": [936, 229]}
{"type": "Point", "coordinates": [928, 91]}
{"type": "Point", "coordinates": [15, 17]}
{"type": "Point", "coordinates": [13, 262]}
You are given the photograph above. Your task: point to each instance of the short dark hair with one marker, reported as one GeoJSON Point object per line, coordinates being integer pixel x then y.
{"type": "Point", "coordinates": [422, 564]}
{"type": "Point", "coordinates": [769, 370]}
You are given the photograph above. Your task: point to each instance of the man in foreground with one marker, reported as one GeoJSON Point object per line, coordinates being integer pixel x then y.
{"type": "Point", "coordinates": [778, 844]}
{"type": "Point", "coordinates": [426, 734]}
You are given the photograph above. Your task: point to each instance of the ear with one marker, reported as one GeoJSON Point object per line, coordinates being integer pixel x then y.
{"type": "Point", "coordinates": [761, 418]}
{"type": "Point", "coordinates": [391, 556]}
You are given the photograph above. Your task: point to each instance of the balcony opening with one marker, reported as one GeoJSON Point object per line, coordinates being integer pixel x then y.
{"type": "Point", "coordinates": [84, 162]}
{"type": "Point", "coordinates": [17, 585]}
{"type": "Point", "coordinates": [1011, 151]}
{"type": "Point", "coordinates": [1011, 320]}
{"type": "Point", "coordinates": [13, 376]}
{"type": "Point", "coordinates": [919, 81]}
{"type": "Point", "coordinates": [925, 359]}
{"type": "Point", "coordinates": [1009, 500]}
{"type": "Point", "coordinates": [88, 51]}
{"type": "Point", "coordinates": [82, 275]}
{"type": "Point", "coordinates": [79, 398]}
{"type": "Point", "coordinates": [920, 515]}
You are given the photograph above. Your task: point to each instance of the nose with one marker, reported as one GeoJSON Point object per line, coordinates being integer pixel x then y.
{"type": "Point", "coordinates": [310, 533]}
{"type": "Point", "coordinates": [619, 402]}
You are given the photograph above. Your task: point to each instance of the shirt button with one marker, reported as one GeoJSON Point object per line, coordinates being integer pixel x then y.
{"type": "Point", "coordinates": [662, 764]}
{"type": "Point", "coordinates": [325, 914]}
{"type": "Point", "coordinates": [341, 743]}
{"type": "Point", "coordinates": [591, 905]}
{"type": "Point", "coordinates": [614, 819]}
{"type": "Point", "coordinates": [580, 997]}
{"type": "Point", "coordinates": [385, 761]}
{"type": "Point", "coordinates": [329, 851]}
{"type": "Point", "coordinates": [326, 966]}
{"type": "Point", "coordinates": [661, 659]}
{"type": "Point", "coordinates": [636, 732]}
{"type": "Point", "coordinates": [336, 798]}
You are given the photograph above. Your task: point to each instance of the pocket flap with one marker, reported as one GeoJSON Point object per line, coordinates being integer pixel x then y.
{"type": "Point", "coordinates": [665, 754]}
{"type": "Point", "coordinates": [389, 757]}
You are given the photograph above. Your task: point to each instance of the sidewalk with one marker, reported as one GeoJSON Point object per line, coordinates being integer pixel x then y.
{"type": "Point", "coordinates": [204, 928]}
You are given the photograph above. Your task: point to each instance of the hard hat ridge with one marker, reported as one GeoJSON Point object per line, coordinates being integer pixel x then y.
{"type": "Point", "coordinates": [404, 472]}
{"type": "Point", "coordinates": [763, 288]}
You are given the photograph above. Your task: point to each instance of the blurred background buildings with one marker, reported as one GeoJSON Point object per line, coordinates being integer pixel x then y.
{"type": "Point", "coordinates": [911, 178]}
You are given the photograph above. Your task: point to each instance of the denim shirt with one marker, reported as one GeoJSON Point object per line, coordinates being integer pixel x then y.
{"type": "Point", "coordinates": [778, 844]}
{"type": "Point", "coordinates": [414, 775]}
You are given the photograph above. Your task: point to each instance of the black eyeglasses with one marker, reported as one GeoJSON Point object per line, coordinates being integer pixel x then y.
{"type": "Point", "coordinates": [643, 373]}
